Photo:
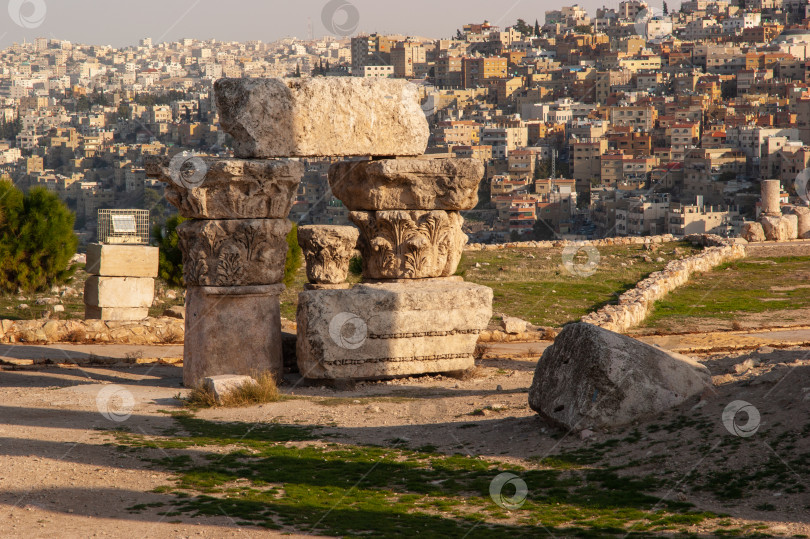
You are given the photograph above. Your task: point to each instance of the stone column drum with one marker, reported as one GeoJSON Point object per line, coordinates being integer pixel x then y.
{"type": "Point", "coordinates": [234, 249]}
{"type": "Point", "coordinates": [771, 190]}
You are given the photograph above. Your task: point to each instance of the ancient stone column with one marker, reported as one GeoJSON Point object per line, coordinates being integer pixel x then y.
{"type": "Point", "coordinates": [410, 316]}
{"type": "Point", "coordinates": [771, 189]}
{"type": "Point", "coordinates": [234, 248]}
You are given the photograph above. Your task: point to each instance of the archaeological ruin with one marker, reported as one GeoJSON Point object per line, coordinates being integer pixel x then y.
{"type": "Point", "coordinates": [409, 315]}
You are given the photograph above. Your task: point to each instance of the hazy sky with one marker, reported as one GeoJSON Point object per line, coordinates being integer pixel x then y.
{"type": "Point", "coordinates": [124, 22]}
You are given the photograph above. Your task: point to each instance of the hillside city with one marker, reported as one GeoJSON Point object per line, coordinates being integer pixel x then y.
{"type": "Point", "coordinates": [628, 121]}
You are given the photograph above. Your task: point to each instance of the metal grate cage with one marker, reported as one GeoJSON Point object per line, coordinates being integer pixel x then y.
{"type": "Point", "coordinates": [123, 226]}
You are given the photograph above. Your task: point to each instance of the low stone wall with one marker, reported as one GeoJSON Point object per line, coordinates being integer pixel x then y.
{"type": "Point", "coordinates": [628, 240]}
{"type": "Point", "coordinates": [634, 305]}
{"type": "Point", "coordinates": [149, 331]}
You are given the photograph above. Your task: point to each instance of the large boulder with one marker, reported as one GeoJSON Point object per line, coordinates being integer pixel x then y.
{"type": "Point", "coordinates": [591, 377]}
{"type": "Point", "coordinates": [752, 231]}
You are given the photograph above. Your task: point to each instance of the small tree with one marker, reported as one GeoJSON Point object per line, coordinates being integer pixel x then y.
{"type": "Point", "coordinates": [294, 256]}
{"type": "Point", "coordinates": [170, 267]}
{"type": "Point", "coordinates": [36, 239]}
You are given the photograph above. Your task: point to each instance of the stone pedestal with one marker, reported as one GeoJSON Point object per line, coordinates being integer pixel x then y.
{"type": "Point", "coordinates": [771, 190]}
{"type": "Point", "coordinates": [121, 285]}
{"type": "Point", "coordinates": [231, 330]}
{"type": "Point", "coordinates": [385, 330]}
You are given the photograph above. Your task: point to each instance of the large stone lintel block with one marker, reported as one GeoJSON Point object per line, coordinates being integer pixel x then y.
{"type": "Point", "coordinates": [322, 116]}
{"type": "Point", "coordinates": [231, 330]}
{"type": "Point", "coordinates": [214, 188]}
{"type": "Point", "coordinates": [119, 291]}
{"type": "Point", "coordinates": [407, 184]}
{"type": "Point", "coordinates": [384, 330]}
{"type": "Point", "coordinates": [235, 252]}
{"type": "Point", "coordinates": [122, 260]}
{"type": "Point", "coordinates": [115, 313]}
{"type": "Point", "coordinates": [415, 244]}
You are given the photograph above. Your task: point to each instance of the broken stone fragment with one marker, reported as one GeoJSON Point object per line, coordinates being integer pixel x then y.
{"type": "Point", "coordinates": [321, 117]}
{"type": "Point", "coordinates": [398, 244]}
{"type": "Point", "coordinates": [214, 188]}
{"type": "Point", "coordinates": [782, 228]}
{"type": "Point", "coordinates": [383, 330]}
{"type": "Point", "coordinates": [327, 250]}
{"type": "Point", "coordinates": [752, 231]}
{"type": "Point", "coordinates": [592, 378]}
{"type": "Point", "coordinates": [803, 221]}
{"type": "Point", "coordinates": [407, 184]}
{"type": "Point", "coordinates": [236, 252]}
{"type": "Point", "coordinates": [222, 385]}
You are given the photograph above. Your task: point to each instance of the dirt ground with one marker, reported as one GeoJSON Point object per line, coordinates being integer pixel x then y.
{"type": "Point", "coordinates": [61, 474]}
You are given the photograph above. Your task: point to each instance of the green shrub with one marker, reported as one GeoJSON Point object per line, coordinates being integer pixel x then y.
{"type": "Point", "coordinates": [171, 259]}
{"type": "Point", "coordinates": [36, 239]}
{"type": "Point", "coordinates": [294, 257]}
{"type": "Point", "coordinates": [356, 266]}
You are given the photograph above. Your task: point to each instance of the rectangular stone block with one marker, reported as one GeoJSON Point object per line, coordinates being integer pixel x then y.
{"type": "Point", "coordinates": [215, 188]}
{"type": "Point", "coordinates": [407, 184]}
{"type": "Point", "coordinates": [122, 260]}
{"type": "Point", "coordinates": [119, 291]}
{"type": "Point", "coordinates": [115, 313]}
{"type": "Point", "coordinates": [384, 330]}
{"type": "Point", "coordinates": [232, 330]}
{"type": "Point", "coordinates": [322, 116]}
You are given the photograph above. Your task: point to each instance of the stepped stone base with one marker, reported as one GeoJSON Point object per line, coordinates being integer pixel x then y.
{"type": "Point", "coordinates": [231, 330]}
{"type": "Point", "coordinates": [394, 329]}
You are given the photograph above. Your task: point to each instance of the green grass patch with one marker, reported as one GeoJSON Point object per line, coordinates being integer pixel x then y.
{"type": "Point", "coordinates": [276, 476]}
{"type": "Point", "coordinates": [747, 286]}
